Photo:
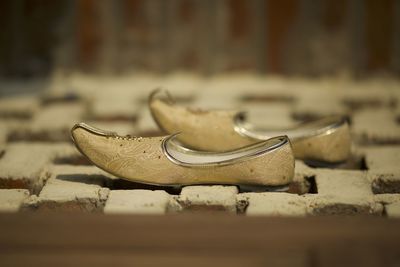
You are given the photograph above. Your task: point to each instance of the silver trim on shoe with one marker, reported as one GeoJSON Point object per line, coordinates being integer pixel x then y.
{"type": "Point", "coordinates": [260, 148]}
{"type": "Point", "coordinates": [302, 131]}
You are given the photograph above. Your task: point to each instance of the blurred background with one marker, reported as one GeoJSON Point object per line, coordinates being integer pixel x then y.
{"type": "Point", "coordinates": [288, 37]}
{"type": "Point", "coordinates": [282, 61]}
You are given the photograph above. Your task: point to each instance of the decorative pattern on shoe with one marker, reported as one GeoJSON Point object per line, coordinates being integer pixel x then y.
{"type": "Point", "coordinates": [161, 161]}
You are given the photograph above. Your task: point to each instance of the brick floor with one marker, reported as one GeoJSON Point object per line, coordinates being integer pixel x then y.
{"type": "Point", "coordinates": [72, 188]}
{"type": "Point", "coordinates": [214, 197]}
{"type": "Point", "coordinates": [137, 201]}
{"type": "Point", "coordinates": [12, 199]}
{"type": "Point", "coordinates": [41, 170]}
{"type": "Point", "coordinates": [273, 204]}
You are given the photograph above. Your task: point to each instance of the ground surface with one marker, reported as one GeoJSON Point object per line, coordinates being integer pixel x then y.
{"type": "Point", "coordinates": [40, 170]}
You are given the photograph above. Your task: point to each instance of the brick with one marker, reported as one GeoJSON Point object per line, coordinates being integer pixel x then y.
{"type": "Point", "coordinates": [383, 171]}
{"type": "Point", "coordinates": [393, 210]}
{"type": "Point", "coordinates": [273, 204]}
{"type": "Point", "coordinates": [382, 158]}
{"type": "Point", "coordinates": [117, 104]}
{"type": "Point", "coordinates": [18, 107]}
{"type": "Point", "coordinates": [146, 126]}
{"type": "Point", "coordinates": [174, 205]}
{"type": "Point", "coordinates": [364, 96]}
{"type": "Point", "coordinates": [51, 123]}
{"type": "Point", "coordinates": [12, 199]}
{"type": "Point", "coordinates": [68, 154]}
{"type": "Point", "coordinates": [216, 198]}
{"type": "Point", "coordinates": [216, 101]}
{"type": "Point", "coordinates": [9, 126]}
{"type": "Point", "coordinates": [276, 97]}
{"type": "Point", "coordinates": [375, 126]}
{"type": "Point", "coordinates": [22, 165]}
{"type": "Point", "coordinates": [354, 162]}
{"type": "Point", "coordinates": [60, 89]}
{"type": "Point", "coordinates": [112, 109]}
{"type": "Point", "coordinates": [303, 176]}
{"type": "Point", "coordinates": [183, 87]}
{"type": "Point", "coordinates": [3, 134]}
{"type": "Point", "coordinates": [226, 91]}
{"type": "Point", "coordinates": [83, 85]}
{"type": "Point", "coordinates": [343, 183]}
{"type": "Point", "coordinates": [72, 188]}
{"type": "Point", "coordinates": [340, 205]}
{"type": "Point", "coordinates": [271, 116]}
{"type": "Point", "coordinates": [387, 198]}
{"type": "Point", "coordinates": [137, 201]}
{"type": "Point", "coordinates": [385, 182]}
{"type": "Point", "coordinates": [314, 102]}
{"type": "Point", "coordinates": [342, 192]}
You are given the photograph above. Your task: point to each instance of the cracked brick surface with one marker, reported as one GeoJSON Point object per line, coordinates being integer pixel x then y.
{"type": "Point", "coordinates": [340, 205]}
{"type": "Point", "coordinates": [51, 123]}
{"type": "Point", "coordinates": [22, 165]}
{"type": "Point", "coordinates": [217, 197]}
{"type": "Point", "coordinates": [302, 180]}
{"type": "Point", "coordinates": [376, 126]}
{"type": "Point", "coordinates": [137, 201]}
{"type": "Point", "coordinates": [393, 210]}
{"type": "Point", "coordinates": [12, 199]}
{"type": "Point", "coordinates": [40, 169]}
{"type": "Point", "coordinates": [71, 188]}
{"type": "Point", "coordinates": [272, 204]}
{"type": "Point", "coordinates": [384, 172]}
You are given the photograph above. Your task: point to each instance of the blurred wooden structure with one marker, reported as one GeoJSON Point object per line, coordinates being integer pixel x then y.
{"type": "Point", "coordinates": [286, 37]}
{"type": "Point", "coordinates": [196, 240]}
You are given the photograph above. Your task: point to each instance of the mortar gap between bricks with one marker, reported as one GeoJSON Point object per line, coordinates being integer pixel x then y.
{"type": "Point", "coordinates": [177, 99]}
{"type": "Point", "coordinates": [241, 206]}
{"type": "Point", "coordinates": [353, 163]}
{"type": "Point", "coordinates": [76, 161]}
{"type": "Point", "coordinates": [83, 178]}
{"type": "Point", "coordinates": [266, 98]}
{"type": "Point", "coordinates": [121, 184]}
{"type": "Point", "coordinates": [66, 99]}
{"type": "Point", "coordinates": [45, 137]}
{"type": "Point", "coordinates": [364, 141]}
{"type": "Point", "coordinates": [313, 184]}
{"type": "Point", "coordinates": [384, 212]}
{"type": "Point", "coordinates": [363, 164]}
{"type": "Point", "coordinates": [17, 117]}
{"type": "Point", "coordinates": [129, 119]}
{"type": "Point", "coordinates": [261, 188]}
{"type": "Point", "coordinates": [305, 117]}
{"type": "Point", "coordinates": [355, 105]}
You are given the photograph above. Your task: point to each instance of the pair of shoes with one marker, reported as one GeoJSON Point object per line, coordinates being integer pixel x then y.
{"type": "Point", "coordinates": [228, 150]}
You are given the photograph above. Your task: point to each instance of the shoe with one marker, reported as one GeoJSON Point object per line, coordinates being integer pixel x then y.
{"type": "Point", "coordinates": [161, 161]}
{"type": "Point", "coordinates": [326, 140]}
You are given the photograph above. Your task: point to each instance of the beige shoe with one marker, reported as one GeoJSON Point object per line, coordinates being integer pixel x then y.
{"type": "Point", "coordinates": [159, 160]}
{"type": "Point", "coordinates": [325, 140]}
